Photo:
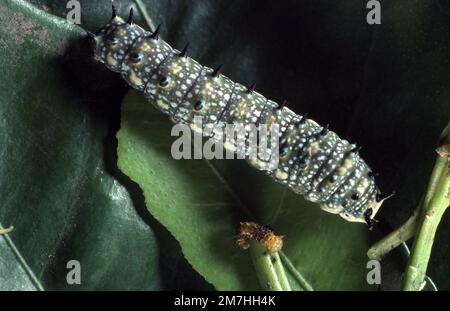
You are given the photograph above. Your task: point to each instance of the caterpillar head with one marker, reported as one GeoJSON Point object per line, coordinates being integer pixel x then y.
{"type": "Point", "coordinates": [359, 201]}
{"type": "Point", "coordinates": [112, 41]}
{"type": "Point", "coordinates": [367, 215]}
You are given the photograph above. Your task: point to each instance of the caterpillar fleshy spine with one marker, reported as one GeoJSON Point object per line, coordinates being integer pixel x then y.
{"type": "Point", "coordinates": [313, 160]}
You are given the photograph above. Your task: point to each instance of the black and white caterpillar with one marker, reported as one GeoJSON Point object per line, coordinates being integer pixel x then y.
{"type": "Point", "coordinates": [313, 161]}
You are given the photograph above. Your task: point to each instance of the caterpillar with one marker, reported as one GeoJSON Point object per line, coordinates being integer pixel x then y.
{"type": "Point", "coordinates": [313, 160]}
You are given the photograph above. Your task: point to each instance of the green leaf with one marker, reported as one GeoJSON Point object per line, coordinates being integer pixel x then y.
{"type": "Point", "coordinates": [55, 187]}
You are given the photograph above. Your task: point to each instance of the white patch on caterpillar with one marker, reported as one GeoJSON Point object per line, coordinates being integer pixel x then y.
{"type": "Point", "coordinates": [271, 120]}
{"type": "Point", "coordinates": [331, 210]}
{"type": "Point", "coordinates": [207, 89]}
{"type": "Point", "coordinates": [229, 146]}
{"type": "Point", "coordinates": [257, 163]}
{"type": "Point", "coordinates": [314, 148]}
{"type": "Point", "coordinates": [145, 46]}
{"type": "Point", "coordinates": [175, 68]}
{"type": "Point", "coordinates": [134, 79]}
{"type": "Point", "coordinates": [162, 104]}
{"type": "Point", "coordinates": [351, 218]}
{"type": "Point", "coordinates": [312, 122]}
{"type": "Point", "coordinates": [281, 174]}
{"type": "Point", "coordinates": [363, 186]}
{"type": "Point", "coordinates": [286, 109]}
{"type": "Point", "coordinates": [345, 166]}
{"type": "Point", "coordinates": [111, 60]}
{"type": "Point", "coordinates": [241, 109]}
{"type": "Point", "coordinates": [195, 128]}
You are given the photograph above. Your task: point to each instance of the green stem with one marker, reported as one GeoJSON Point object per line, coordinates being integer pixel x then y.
{"type": "Point", "coordinates": [436, 202]}
{"type": "Point", "coordinates": [396, 237]}
{"type": "Point", "coordinates": [268, 268]}
{"type": "Point", "coordinates": [282, 277]}
{"type": "Point", "coordinates": [7, 230]}
{"type": "Point", "coordinates": [297, 275]}
{"type": "Point", "coordinates": [410, 227]}
{"type": "Point", "coordinates": [147, 18]}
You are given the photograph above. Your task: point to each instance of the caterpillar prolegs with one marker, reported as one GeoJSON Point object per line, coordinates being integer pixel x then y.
{"type": "Point", "coordinates": [313, 161]}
